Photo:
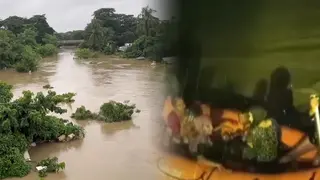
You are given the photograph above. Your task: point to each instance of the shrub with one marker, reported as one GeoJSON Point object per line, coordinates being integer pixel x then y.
{"type": "Point", "coordinates": [115, 111]}
{"type": "Point", "coordinates": [29, 60]}
{"type": "Point", "coordinates": [82, 114]}
{"type": "Point", "coordinates": [47, 50]}
{"type": "Point", "coordinates": [111, 111]}
{"type": "Point", "coordinates": [25, 120]}
{"type": "Point", "coordinates": [84, 53]}
{"type": "Point", "coordinates": [52, 165]}
{"type": "Point", "coordinates": [13, 164]}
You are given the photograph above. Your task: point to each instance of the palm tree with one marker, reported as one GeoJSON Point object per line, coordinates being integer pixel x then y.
{"type": "Point", "coordinates": [147, 19]}
{"type": "Point", "coordinates": [96, 35]}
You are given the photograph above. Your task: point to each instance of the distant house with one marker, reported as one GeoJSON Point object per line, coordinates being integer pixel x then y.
{"type": "Point", "coordinates": [125, 47]}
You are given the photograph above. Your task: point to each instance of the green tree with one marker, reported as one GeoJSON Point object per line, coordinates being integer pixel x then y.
{"type": "Point", "coordinates": [147, 21]}
{"type": "Point", "coordinates": [7, 57]}
{"type": "Point", "coordinates": [47, 50]}
{"type": "Point", "coordinates": [14, 24]}
{"type": "Point", "coordinates": [29, 60]}
{"type": "Point", "coordinates": [107, 18]}
{"type": "Point", "coordinates": [50, 39]}
{"type": "Point", "coordinates": [28, 37]}
{"type": "Point", "coordinates": [71, 35]}
{"type": "Point", "coordinates": [95, 40]}
{"type": "Point", "coordinates": [42, 26]}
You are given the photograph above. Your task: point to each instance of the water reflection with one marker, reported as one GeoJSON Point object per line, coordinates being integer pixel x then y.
{"type": "Point", "coordinates": [111, 129]}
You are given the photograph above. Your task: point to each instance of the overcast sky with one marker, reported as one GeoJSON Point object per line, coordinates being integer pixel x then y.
{"type": "Point", "coordinates": [66, 15]}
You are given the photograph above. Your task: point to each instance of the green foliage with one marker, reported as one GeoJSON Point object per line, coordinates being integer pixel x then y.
{"type": "Point", "coordinates": [9, 141]}
{"type": "Point", "coordinates": [50, 39]}
{"type": "Point", "coordinates": [28, 37]}
{"type": "Point", "coordinates": [41, 25]}
{"type": "Point", "coordinates": [152, 38]}
{"type": "Point", "coordinates": [47, 50]}
{"type": "Point", "coordinates": [5, 92]}
{"type": "Point", "coordinates": [10, 49]}
{"type": "Point", "coordinates": [264, 143]}
{"type": "Point", "coordinates": [71, 35]}
{"type": "Point", "coordinates": [29, 60]}
{"type": "Point", "coordinates": [84, 53]}
{"type": "Point", "coordinates": [15, 24]}
{"type": "Point", "coordinates": [20, 39]}
{"type": "Point", "coordinates": [13, 164]}
{"type": "Point", "coordinates": [83, 114]}
{"type": "Point", "coordinates": [111, 111]}
{"type": "Point", "coordinates": [52, 165]}
{"type": "Point", "coordinates": [25, 120]}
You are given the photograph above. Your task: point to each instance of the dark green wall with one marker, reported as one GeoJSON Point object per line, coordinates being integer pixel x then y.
{"type": "Point", "coordinates": [241, 43]}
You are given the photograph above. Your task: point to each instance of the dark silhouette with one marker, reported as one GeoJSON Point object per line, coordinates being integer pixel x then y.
{"type": "Point", "coordinates": [260, 92]}
{"type": "Point", "coordinates": [221, 97]}
{"type": "Point", "coordinates": [205, 81]}
{"type": "Point", "coordinates": [280, 98]}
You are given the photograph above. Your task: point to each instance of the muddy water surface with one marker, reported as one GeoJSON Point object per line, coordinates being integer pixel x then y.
{"type": "Point", "coordinates": [109, 151]}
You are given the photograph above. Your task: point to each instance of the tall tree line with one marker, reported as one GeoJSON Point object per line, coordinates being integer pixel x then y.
{"type": "Point", "coordinates": [151, 37]}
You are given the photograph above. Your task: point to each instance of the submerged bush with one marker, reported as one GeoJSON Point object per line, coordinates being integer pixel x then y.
{"type": "Point", "coordinates": [111, 111]}
{"type": "Point", "coordinates": [47, 50]}
{"type": "Point", "coordinates": [84, 53]}
{"type": "Point", "coordinates": [83, 114]}
{"type": "Point", "coordinates": [29, 60]}
{"type": "Point", "coordinates": [26, 120]}
{"type": "Point", "coordinates": [52, 165]}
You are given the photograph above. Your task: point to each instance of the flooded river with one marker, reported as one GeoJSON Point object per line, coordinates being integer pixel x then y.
{"type": "Point", "coordinates": [120, 151]}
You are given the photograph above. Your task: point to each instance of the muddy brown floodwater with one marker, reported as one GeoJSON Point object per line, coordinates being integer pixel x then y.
{"type": "Point", "coordinates": [122, 151]}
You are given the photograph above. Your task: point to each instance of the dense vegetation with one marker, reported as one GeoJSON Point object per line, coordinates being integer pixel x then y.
{"type": "Point", "coordinates": [26, 120]}
{"type": "Point", "coordinates": [85, 53]}
{"type": "Point", "coordinates": [109, 112]}
{"type": "Point", "coordinates": [52, 165]}
{"type": "Point", "coordinates": [108, 30]}
{"type": "Point", "coordinates": [24, 41]}
{"type": "Point", "coordinates": [71, 35]}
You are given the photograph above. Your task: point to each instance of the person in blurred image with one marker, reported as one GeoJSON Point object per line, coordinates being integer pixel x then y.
{"type": "Point", "coordinates": [310, 142]}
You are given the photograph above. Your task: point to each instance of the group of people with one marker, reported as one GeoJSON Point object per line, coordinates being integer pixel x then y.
{"type": "Point", "coordinates": [203, 124]}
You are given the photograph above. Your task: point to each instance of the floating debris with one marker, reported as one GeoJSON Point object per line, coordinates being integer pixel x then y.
{"type": "Point", "coordinates": [47, 86]}
{"type": "Point", "coordinates": [26, 156]}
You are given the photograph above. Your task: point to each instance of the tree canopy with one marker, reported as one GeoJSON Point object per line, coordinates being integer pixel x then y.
{"type": "Point", "coordinates": [150, 37]}
{"type": "Point", "coordinates": [24, 41]}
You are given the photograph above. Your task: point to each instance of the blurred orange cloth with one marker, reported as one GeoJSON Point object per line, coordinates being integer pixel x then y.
{"type": "Point", "coordinates": [228, 119]}
{"type": "Point", "coordinates": [167, 108]}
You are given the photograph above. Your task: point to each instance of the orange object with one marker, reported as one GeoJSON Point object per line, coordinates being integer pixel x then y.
{"type": "Point", "coordinates": [167, 108]}
{"type": "Point", "coordinates": [183, 168]}
{"type": "Point", "coordinates": [228, 120]}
